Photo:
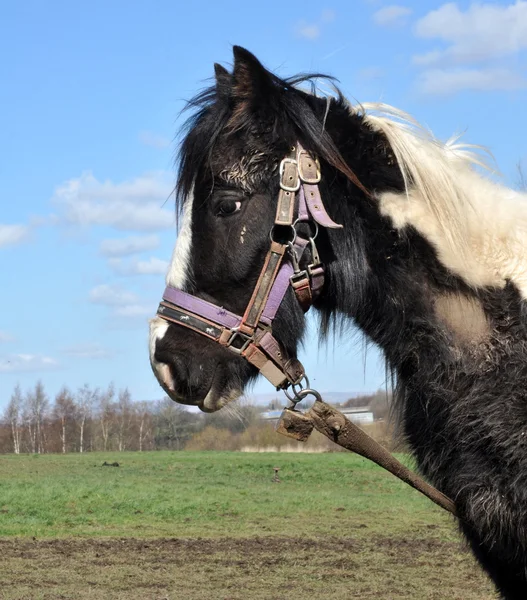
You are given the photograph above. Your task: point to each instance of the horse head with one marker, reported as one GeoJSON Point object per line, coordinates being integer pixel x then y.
{"type": "Point", "coordinates": [236, 161]}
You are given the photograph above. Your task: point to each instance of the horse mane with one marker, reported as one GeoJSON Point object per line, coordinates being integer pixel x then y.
{"type": "Point", "coordinates": [475, 223]}
{"type": "Point", "coordinates": [429, 167]}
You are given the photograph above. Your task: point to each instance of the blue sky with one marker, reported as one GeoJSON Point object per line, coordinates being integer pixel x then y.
{"type": "Point", "coordinates": [90, 93]}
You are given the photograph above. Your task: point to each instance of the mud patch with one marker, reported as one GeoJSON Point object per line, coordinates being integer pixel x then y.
{"type": "Point", "coordinates": [269, 568]}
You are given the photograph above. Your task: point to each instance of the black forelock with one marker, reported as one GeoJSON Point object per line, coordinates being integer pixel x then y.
{"type": "Point", "coordinates": [293, 110]}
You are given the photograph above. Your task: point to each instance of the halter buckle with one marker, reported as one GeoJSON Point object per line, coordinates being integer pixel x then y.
{"type": "Point", "coordinates": [238, 336]}
{"type": "Point", "coordinates": [304, 155]}
{"type": "Point", "coordinates": [289, 188]}
{"type": "Point", "coordinates": [298, 277]}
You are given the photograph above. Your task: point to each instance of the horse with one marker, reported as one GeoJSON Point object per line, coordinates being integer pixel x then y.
{"type": "Point", "coordinates": [289, 198]}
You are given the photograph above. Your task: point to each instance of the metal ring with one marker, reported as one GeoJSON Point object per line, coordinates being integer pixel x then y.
{"type": "Point", "coordinates": [296, 395]}
{"type": "Point", "coordinates": [309, 392]}
{"type": "Point", "coordinates": [313, 237]}
{"type": "Point", "coordinates": [271, 233]}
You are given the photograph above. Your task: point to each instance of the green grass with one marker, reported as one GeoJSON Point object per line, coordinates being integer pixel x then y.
{"type": "Point", "coordinates": [206, 494]}
{"type": "Point", "coordinates": [213, 525]}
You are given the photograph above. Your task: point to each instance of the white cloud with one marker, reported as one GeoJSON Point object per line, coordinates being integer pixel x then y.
{"type": "Point", "coordinates": [128, 245]}
{"type": "Point", "coordinates": [134, 205]}
{"type": "Point", "coordinates": [312, 30]}
{"type": "Point", "coordinates": [27, 363]}
{"type": "Point", "coordinates": [483, 32]}
{"type": "Point", "coordinates": [309, 31]}
{"type": "Point", "coordinates": [371, 73]}
{"type": "Point", "coordinates": [149, 138]}
{"type": "Point", "coordinates": [12, 234]}
{"type": "Point", "coordinates": [111, 295]}
{"type": "Point", "coordinates": [391, 16]}
{"type": "Point", "coordinates": [134, 311]}
{"type": "Point", "coordinates": [5, 337]}
{"type": "Point", "coordinates": [328, 15]}
{"type": "Point", "coordinates": [476, 48]}
{"type": "Point", "coordinates": [442, 82]}
{"type": "Point", "coordinates": [152, 266]}
{"type": "Point", "coordinates": [125, 305]}
{"type": "Point", "coordinates": [87, 350]}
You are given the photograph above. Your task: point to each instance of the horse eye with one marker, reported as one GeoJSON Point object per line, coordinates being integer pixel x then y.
{"type": "Point", "coordinates": [229, 207]}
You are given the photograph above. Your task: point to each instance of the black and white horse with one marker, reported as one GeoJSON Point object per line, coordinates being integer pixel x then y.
{"type": "Point", "coordinates": [431, 264]}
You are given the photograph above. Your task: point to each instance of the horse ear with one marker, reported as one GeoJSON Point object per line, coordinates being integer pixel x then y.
{"type": "Point", "coordinates": [251, 78]}
{"type": "Point", "coordinates": [223, 80]}
{"type": "Point", "coordinates": [222, 75]}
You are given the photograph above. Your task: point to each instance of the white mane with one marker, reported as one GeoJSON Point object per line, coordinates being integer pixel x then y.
{"type": "Point", "coordinates": [478, 227]}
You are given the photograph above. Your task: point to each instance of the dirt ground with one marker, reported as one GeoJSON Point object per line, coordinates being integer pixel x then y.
{"type": "Point", "coordinates": [267, 568]}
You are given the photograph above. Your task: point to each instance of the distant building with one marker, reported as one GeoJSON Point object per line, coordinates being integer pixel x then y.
{"type": "Point", "coordinates": [361, 414]}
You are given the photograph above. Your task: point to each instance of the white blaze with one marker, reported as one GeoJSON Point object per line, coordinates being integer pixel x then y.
{"type": "Point", "coordinates": [177, 275]}
{"type": "Point", "coordinates": [158, 328]}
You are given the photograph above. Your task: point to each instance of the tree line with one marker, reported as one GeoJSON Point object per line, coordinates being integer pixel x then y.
{"type": "Point", "coordinates": [95, 419]}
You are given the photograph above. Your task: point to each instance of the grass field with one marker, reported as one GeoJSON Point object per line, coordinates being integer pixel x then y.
{"type": "Point", "coordinates": [170, 526]}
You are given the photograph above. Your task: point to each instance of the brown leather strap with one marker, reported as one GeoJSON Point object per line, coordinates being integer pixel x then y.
{"type": "Point", "coordinates": [263, 288]}
{"type": "Point", "coordinates": [266, 355]}
{"type": "Point", "coordinates": [302, 287]}
{"type": "Point", "coordinates": [285, 208]}
{"type": "Point", "coordinates": [266, 366]}
{"type": "Point", "coordinates": [308, 167]}
{"type": "Point", "coordinates": [191, 321]}
{"type": "Point", "coordinates": [289, 185]}
{"type": "Point", "coordinates": [334, 425]}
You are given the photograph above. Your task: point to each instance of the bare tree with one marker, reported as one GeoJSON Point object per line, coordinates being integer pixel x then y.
{"type": "Point", "coordinates": [27, 418]}
{"type": "Point", "coordinates": [174, 425]}
{"type": "Point", "coordinates": [124, 410]}
{"type": "Point", "coordinates": [41, 407]}
{"type": "Point", "coordinates": [35, 408]}
{"type": "Point", "coordinates": [105, 409]}
{"type": "Point", "coordinates": [64, 412]}
{"type": "Point", "coordinates": [86, 398]}
{"type": "Point", "coordinates": [143, 412]}
{"type": "Point", "coordinates": [13, 415]}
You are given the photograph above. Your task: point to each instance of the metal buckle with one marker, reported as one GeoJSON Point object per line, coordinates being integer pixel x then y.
{"type": "Point", "coordinates": [311, 268]}
{"type": "Point", "coordinates": [305, 179]}
{"type": "Point", "coordinates": [289, 188]}
{"type": "Point", "coordinates": [246, 339]}
{"type": "Point", "coordinates": [298, 276]}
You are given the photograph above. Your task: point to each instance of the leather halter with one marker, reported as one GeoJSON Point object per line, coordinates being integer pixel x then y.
{"type": "Point", "coordinates": [250, 335]}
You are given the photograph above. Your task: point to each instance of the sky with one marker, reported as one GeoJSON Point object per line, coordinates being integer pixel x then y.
{"type": "Point", "coordinates": [90, 94]}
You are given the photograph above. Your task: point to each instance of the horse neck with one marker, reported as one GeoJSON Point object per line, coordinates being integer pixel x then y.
{"type": "Point", "coordinates": [444, 341]}
{"type": "Point", "coordinates": [388, 284]}
{"type": "Point", "coordinates": [456, 342]}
